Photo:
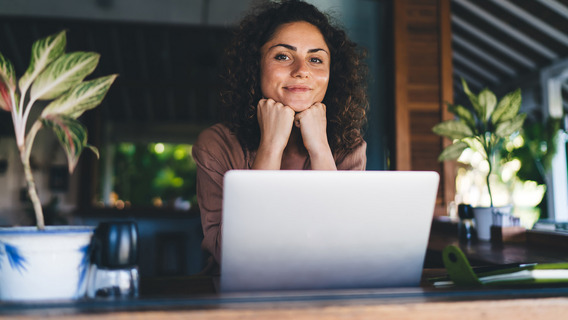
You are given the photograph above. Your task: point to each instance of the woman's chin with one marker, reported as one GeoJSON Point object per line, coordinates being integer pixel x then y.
{"type": "Point", "coordinates": [299, 107]}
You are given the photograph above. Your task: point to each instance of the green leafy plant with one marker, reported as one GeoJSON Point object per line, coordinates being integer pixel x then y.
{"type": "Point", "coordinates": [483, 127]}
{"type": "Point", "coordinates": [538, 149]}
{"type": "Point", "coordinates": [56, 76]}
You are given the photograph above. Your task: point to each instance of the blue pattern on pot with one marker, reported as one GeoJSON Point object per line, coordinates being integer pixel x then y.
{"type": "Point", "coordinates": [84, 265]}
{"type": "Point", "coordinates": [17, 261]}
{"type": "Point", "coordinates": [51, 264]}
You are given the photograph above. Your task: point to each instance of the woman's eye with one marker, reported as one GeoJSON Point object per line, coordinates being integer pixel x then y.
{"type": "Point", "coordinates": [281, 57]}
{"type": "Point", "coordinates": [316, 60]}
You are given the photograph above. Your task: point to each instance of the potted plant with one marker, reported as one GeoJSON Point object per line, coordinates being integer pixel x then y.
{"type": "Point", "coordinates": [39, 263]}
{"type": "Point", "coordinates": [484, 127]}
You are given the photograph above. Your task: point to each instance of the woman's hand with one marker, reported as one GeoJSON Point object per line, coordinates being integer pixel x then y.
{"type": "Point", "coordinates": [313, 126]}
{"type": "Point", "coordinates": [275, 121]}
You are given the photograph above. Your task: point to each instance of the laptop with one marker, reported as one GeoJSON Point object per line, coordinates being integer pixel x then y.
{"type": "Point", "coordinates": [315, 230]}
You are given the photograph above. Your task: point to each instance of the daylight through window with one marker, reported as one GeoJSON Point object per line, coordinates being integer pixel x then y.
{"type": "Point", "coordinates": [154, 175]}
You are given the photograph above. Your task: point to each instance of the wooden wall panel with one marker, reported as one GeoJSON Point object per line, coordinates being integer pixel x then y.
{"type": "Point", "coordinates": [423, 80]}
{"type": "Point", "coordinates": [401, 61]}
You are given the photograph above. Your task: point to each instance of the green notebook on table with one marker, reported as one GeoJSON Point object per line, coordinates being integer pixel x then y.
{"type": "Point", "coordinates": [460, 273]}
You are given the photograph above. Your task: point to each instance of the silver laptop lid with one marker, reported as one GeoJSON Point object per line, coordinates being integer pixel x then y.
{"type": "Point", "coordinates": [290, 230]}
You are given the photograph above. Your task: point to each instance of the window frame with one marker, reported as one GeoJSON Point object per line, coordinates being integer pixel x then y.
{"type": "Point", "coordinates": [551, 79]}
{"type": "Point", "coordinates": [111, 134]}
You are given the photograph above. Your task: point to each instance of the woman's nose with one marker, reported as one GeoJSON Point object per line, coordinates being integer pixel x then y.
{"type": "Point", "coordinates": [300, 70]}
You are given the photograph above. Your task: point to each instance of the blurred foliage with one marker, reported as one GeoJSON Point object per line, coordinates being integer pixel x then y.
{"type": "Point", "coordinates": [538, 149]}
{"type": "Point", "coordinates": [535, 154]}
{"type": "Point", "coordinates": [144, 172]}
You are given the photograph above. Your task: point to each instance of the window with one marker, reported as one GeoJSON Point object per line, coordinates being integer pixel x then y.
{"type": "Point", "coordinates": [554, 81]}
{"type": "Point", "coordinates": [153, 175]}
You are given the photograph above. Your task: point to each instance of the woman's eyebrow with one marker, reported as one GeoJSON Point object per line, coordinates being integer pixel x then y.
{"type": "Point", "coordinates": [318, 49]}
{"type": "Point", "coordinates": [287, 46]}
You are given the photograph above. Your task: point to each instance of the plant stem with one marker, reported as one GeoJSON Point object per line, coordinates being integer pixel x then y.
{"type": "Point", "coordinates": [33, 195]}
{"type": "Point", "coordinates": [17, 121]}
{"type": "Point", "coordinates": [26, 113]}
{"type": "Point", "coordinates": [487, 180]}
{"type": "Point", "coordinates": [488, 146]}
{"type": "Point", "coordinates": [25, 152]}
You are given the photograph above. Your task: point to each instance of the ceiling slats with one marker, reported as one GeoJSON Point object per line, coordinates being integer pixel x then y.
{"type": "Point", "coordinates": [499, 41]}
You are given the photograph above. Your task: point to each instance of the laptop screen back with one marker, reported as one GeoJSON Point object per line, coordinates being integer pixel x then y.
{"type": "Point", "coordinates": [297, 230]}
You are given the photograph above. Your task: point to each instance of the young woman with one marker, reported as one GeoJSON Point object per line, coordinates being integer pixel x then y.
{"type": "Point", "coordinates": [294, 99]}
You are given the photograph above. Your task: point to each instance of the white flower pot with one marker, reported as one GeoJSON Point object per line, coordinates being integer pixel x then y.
{"type": "Point", "coordinates": [484, 219]}
{"type": "Point", "coordinates": [44, 265]}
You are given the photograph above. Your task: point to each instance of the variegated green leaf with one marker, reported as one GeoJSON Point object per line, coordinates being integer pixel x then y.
{"type": "Point", "coordinates": [453, 151]}
{"type": "Point", "coordinates": [474, 144]}
{"type": "Point", "coordinates": [463, 114]}
{"type": "Point", "coordinates": [507, 108]}
{"type": "Point", "coordinates": [64, 73]}
{"type": "Point", "coordinates": [477, 107]}
{"type": "Point", "coordinates": [506, 128]}
{"type": "Point", "coordinates": [44, 51]}
{"type": "Point", "coordinates": [6, 102]}
{"type": "Point", "coordinates": [453, 129]}
{"type": "Point", "coordinates": [94, 150]}
{"type": "Point", "coordinates": [7, 83]}
{"type": "Point", "coordinates": [71, 134]}
{"type": "Point", "coordinates": [5, 99]}
{"type": "Point", "coordinates": [85, 96]}
{"type": "Point", "coordinates": [488, 101]}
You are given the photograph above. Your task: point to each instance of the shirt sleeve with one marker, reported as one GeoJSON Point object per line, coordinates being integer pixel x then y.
{"type": "Point", "coordinates": [354, 160]}
{"type": "Point", "coordinates": [209, 182]}
{"type": "Point", "coordinates": [214, 153]}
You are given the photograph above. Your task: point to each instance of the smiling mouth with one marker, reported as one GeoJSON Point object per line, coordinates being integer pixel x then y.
{"type": "Point", "coordinates": [297, 89]}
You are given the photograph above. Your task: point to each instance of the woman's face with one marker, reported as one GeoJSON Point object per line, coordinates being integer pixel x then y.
{"type": "Point", "coordinates": [294, 66]}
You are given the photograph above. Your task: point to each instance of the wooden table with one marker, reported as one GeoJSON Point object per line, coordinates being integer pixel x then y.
{"type": "Point", "coordinates": [180, 298]}
{"type": "Point", "coordinates": [412, 303]}
{"type": "Point", "coordinates": [536, 249]}
{"type": "Point", "coordinates": [194, 297]}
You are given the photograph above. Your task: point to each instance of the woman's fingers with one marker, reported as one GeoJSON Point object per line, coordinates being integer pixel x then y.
{"type": "Point", "coordinates": [316, 114]}
{"type": "Point", "coordinates": [313, 126]}
{"type": "Point", "coordinates": [275, 121]}
{"type": "Point", "coordinates": [270, 112]}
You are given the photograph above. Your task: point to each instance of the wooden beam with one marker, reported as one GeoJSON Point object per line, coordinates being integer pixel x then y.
{"type": "Point", "coordinates": [402, 128]}
{"type": "Point", "coordinates": [446, 95]}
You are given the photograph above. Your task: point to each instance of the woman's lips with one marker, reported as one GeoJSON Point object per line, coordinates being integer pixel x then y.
{"type": "Point", "coordinates": [297, 89]}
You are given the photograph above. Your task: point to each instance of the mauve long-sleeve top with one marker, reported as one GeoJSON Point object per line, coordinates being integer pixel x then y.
{"type": "Point", "coordinates": [217, 151]}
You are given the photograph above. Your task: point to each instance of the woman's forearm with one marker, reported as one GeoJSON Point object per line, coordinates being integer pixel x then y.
{"type": "Point", "coordinates": [322, 159]}
{"type": "Point", "coordinates": [267, 158]}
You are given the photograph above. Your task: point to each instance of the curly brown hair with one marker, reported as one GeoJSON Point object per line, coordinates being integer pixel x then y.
{"type": "Point", "coordinates": [345, 99]}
